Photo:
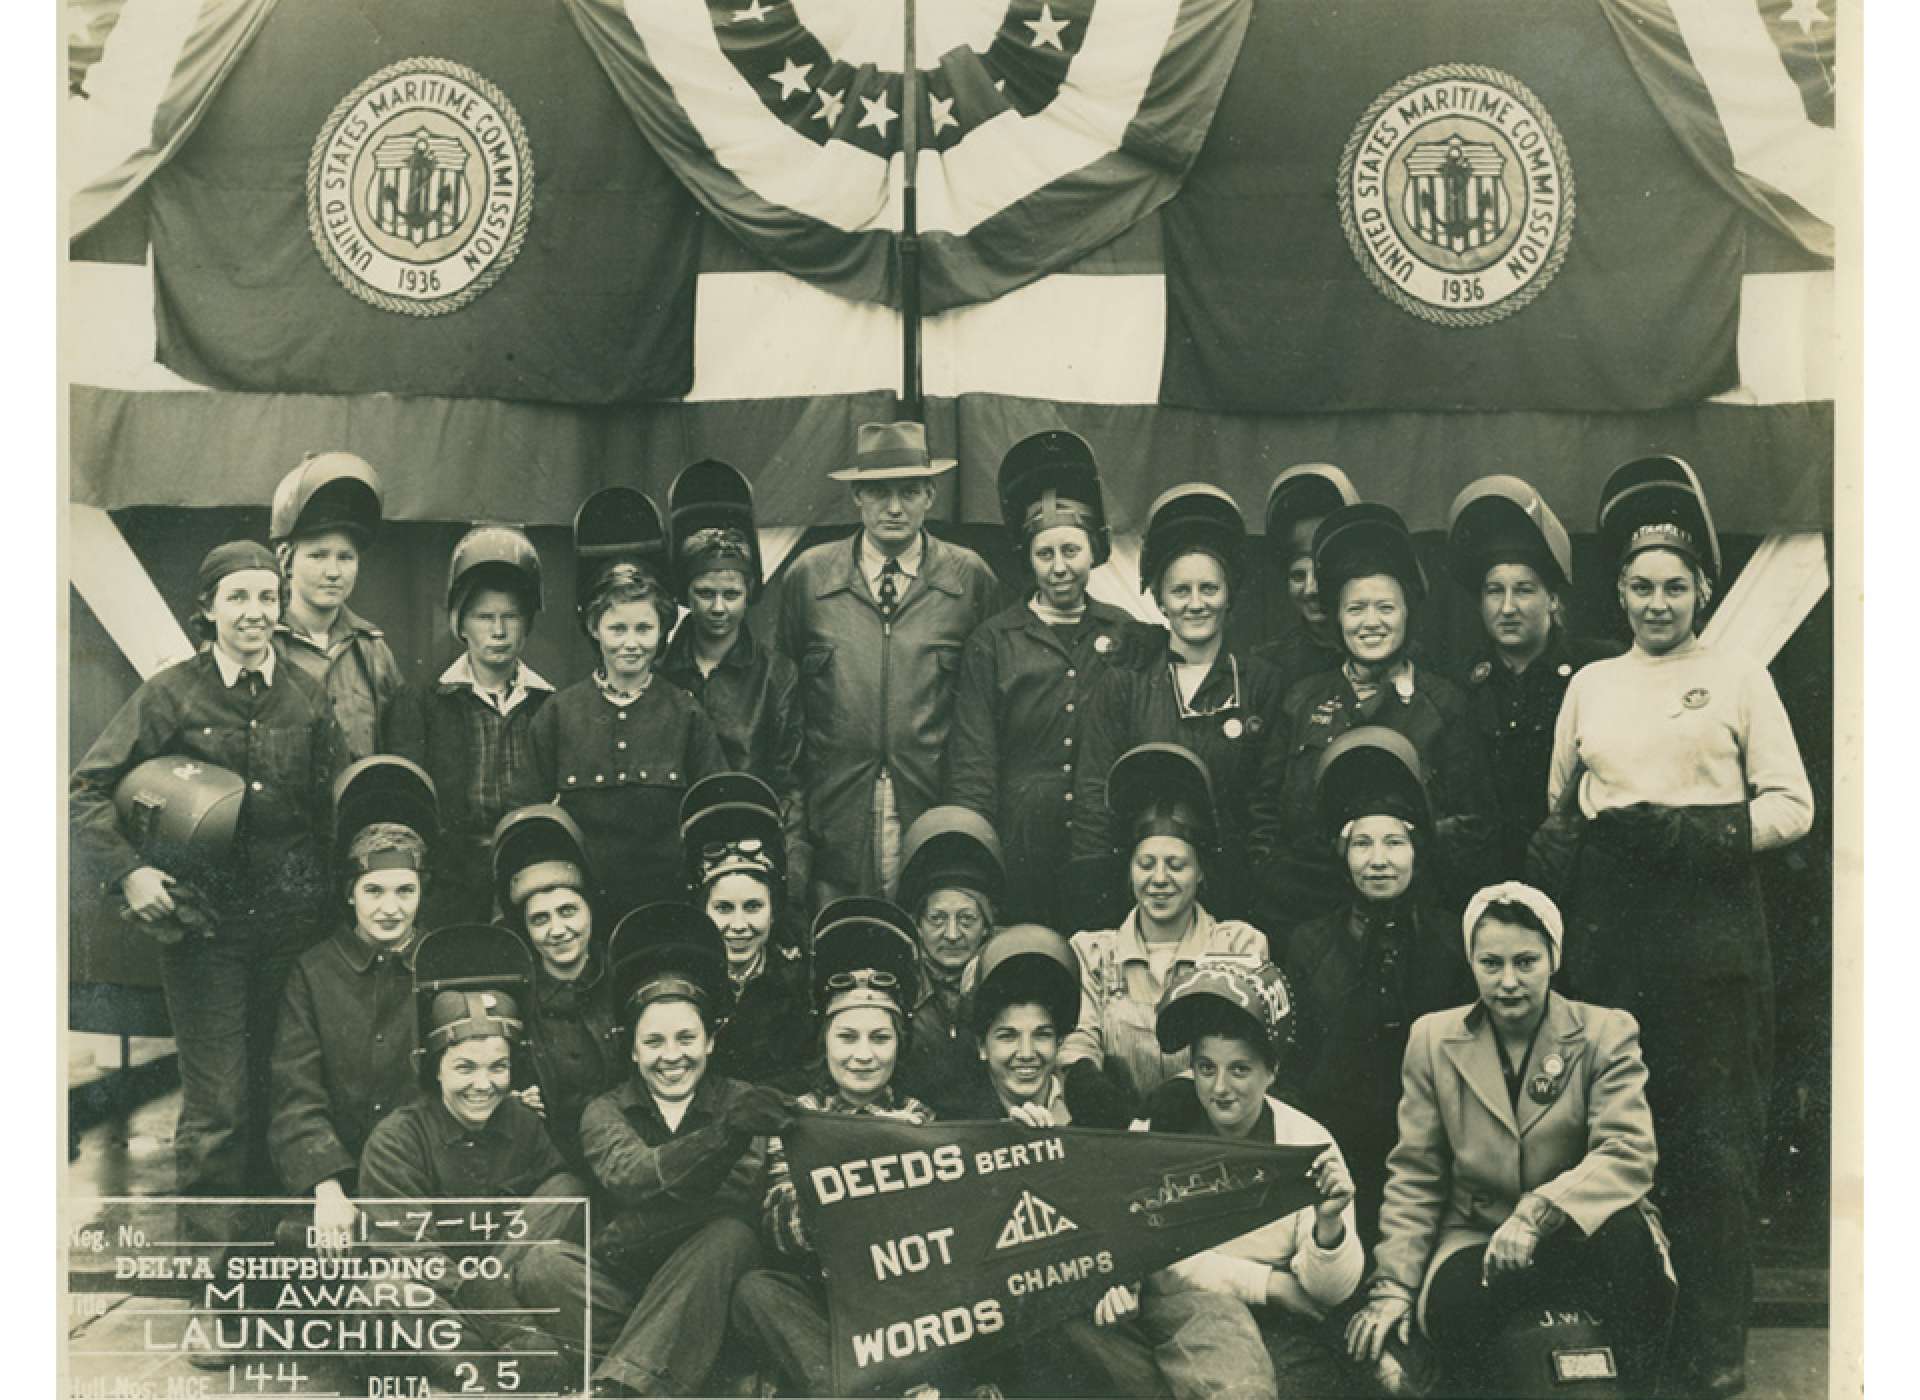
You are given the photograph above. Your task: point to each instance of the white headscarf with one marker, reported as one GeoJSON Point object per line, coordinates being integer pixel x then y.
{"type": "Point", "coordinates": [1513, 892]}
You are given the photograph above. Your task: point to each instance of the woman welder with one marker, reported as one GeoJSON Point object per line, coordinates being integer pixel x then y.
{"type": "Point", "coordinates": [952, 881]}
{"type": "Point", "coordinates": [230, 707]}
{"type": "Point", "coordinates": [325, 513]}
{"type": "Point", "coordinates": [1199, 693]}
{"type": "Point", "coordinates": [540, 884]}
{"type": "Point", "coordinates": [1674, 766]}
{"type": "Point", "coordinates": [1269, 1289]}
{"type": "Point", "coordinates": [1520, 1180]}
{"type": "Point", "coordinates": [865, 957]}
{"type": "Point", "coordinates": [468, 1136]}
{"type": "Point", "coordinates": [1161, 800]}
{"type": "Point", "coordinates": [343, 1056]}
{"type": "Point", "coordinates": [1366, 567]}
{"type": "Point", "coordinates": [1299, 499]}
{"type": "Point", "coordinates": [750, 691]}
{"type": "Point", "coordinates": [620, 751]}
{"type": "Point", "coordinates": [1512, 555]}
{"type": "Point", "coordinates": [1029, 674]}
{"type": "Point", "coordinates": [1362, 974]}
{"type": "Point", "coordinates": [473, 728]}
{"type": "Point", "coordinates": [1025, 999]}
{"type": "Point", "coordinates": [731, 827]}
{"type": "Point", "coordinates": [679, 1149]}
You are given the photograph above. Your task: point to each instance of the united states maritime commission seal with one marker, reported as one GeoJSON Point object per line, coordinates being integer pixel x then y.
{"type": "Point", "coordinates": [420, 187]}
{"type": "Point", "coordinates": [1456, 195]}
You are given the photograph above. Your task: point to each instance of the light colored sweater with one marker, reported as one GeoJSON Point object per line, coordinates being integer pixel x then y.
{"type": "Point", "coordinates": [1313, 1281]}
{"type": "Point", "coordinates": [1693, 728]}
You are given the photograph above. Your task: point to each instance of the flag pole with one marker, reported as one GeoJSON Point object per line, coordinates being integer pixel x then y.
{"type": "Point", "coordinates": [914, 404]}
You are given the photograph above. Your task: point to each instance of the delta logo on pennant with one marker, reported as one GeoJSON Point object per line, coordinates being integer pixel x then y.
{"type": "Point", "coordinates": [1456, 195]}
{"type": "Point", "coordinates": [1033, 1221]}
{"type": "Point", "coordinates": [420, 187]}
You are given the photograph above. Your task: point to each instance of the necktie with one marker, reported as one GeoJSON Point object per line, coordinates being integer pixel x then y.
{"type": "Point", "coordinates": [889, 587]}
{"type": "Point", "coordinates": [252, 681]}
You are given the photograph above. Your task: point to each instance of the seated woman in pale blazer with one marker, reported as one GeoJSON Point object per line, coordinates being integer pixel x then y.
{"type": "Point", "coordinates": [1525, 1158]}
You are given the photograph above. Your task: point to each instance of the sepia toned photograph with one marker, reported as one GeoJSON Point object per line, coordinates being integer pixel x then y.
{"type": "Point", "coordinates": [959, 697]}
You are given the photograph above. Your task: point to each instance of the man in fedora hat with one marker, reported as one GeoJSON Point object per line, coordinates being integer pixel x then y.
{"type": "Point", "coordinates": [875, 624]}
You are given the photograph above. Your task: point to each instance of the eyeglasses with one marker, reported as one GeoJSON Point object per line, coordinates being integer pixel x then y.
{"type": "Point", "coordinates": [967, 921]}
{"type": "Point", "coordinates": [1191, 711]}
{"type": "Point", "coordinates": [862, 977]}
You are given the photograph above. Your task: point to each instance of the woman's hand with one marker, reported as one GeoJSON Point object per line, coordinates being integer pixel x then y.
{"type": "Point", "coordinates": [1335, 1186]}
{"type": "Point", "coordinates": [1119, 1304]}
{"type": "Point", "coordinates": [146, 892]}
{"type": "Point", "coordinates": [530, 1096]}
{"type": "Point", "coordinates": [1510, 1250]}
{"type": "Point", "coordinates": [334, 1218]}
{"type": "Point", "coordinates": [1367, 1333]}
{"type": "Point", "coordinates": [1031, 1114]}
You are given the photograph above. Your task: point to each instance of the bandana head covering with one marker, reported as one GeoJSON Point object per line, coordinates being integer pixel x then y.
{"type": "Point", "coordinates": [1527, 897]}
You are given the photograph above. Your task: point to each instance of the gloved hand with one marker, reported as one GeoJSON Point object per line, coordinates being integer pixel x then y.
{"type": "Point", "coordinates": [1638, 834]}
{"type": "Point", "coordinates": [1712, 838]}
{"type": "Point", "coordinates": [189, 916]}
{"type": "Point", "coordinates": [1094, 1100]}
{"type": "Point", "coordinates": [1553, 854]}
{"type": "Point", "coordinates": [759, 1112]}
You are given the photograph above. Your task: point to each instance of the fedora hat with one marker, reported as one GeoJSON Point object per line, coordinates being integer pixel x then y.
{"type": "Point", "coordinates": [892, 452]}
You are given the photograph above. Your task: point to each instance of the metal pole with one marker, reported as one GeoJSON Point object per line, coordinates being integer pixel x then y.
{"type": "Point", "coordinates": [913, 402]}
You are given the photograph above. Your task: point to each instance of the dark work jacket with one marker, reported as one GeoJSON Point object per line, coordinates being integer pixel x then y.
{"type": "Point", "coordinates": [342, 1058]}
{"type": "Point", "coordinates": [284, 742]}
{"type": "Point", "coordinates": [575, 1055]}
{"type": "Point", "coordinates": [1515, 716]}
{"type": "Point", "coordinates": [875, 694]}
{"type": "Point", "coordinates": [620, 771]}
{"type": "Point", "coordinates": [940, 1053]}
{"type": "Point", "coordinates": [1296, 654]}
{"type": "Point", "coordinates": [436, 728]}
{"type": "Point", "coordinates": [666, 1183]}
{"type": "Point", "coordinates": [752, 699]}
{"type": "Point", "coordinates": [359, 676]}
{"type": "Point", "coordinates": [1353, 1010]}
{"type": "Point", "coordinates": [769, 1037]}
{"type": "Point", "coordinates": [1025, 692]}
{"type": "Point", "coordinates": [420, 1151]}
{"type": "Point", "coordinates": [1138, 706]}
{"type": "Point", "coordinates": [1302, 877]}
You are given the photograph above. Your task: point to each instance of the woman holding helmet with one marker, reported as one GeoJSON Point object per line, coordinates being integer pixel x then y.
{"type": "Point", "coordinates": [230, 708]}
